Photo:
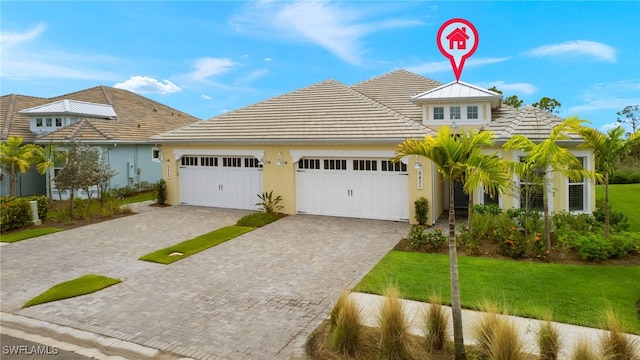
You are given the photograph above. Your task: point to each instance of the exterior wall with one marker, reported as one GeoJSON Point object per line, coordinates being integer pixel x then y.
{"type": "Point", "coordinates": [133, 163]}
{"type": "Point", "coordinates": [282, 179]}
{"type": "Point", "coordinates": [29, 183]}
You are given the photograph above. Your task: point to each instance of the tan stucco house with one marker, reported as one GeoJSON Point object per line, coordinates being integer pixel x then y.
{"type": "Point", "coordinates": [326, 149]}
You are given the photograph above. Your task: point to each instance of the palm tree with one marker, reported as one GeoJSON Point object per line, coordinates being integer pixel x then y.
{"type": "Point", "coordinates": [548, 156]}
{"type": "Point", "coordinates": [458, 157]}
{"type": "Point", "coordinates": [15, 158]}
{"type": "Point", "coordinates": [45, 159]}
{"type": "Point", "coordinates": [608, 149]}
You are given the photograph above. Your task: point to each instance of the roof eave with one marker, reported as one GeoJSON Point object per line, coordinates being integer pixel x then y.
{"type": "Point", "coordinates": [292, 141]}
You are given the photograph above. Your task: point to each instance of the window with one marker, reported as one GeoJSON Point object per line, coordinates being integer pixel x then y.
{"type": "Point", "coordinates": [58, 122]}
{"type": "Point", "coordinates": [577, 190]}
{"type": "Point", "coordinates": [232, 162]}
{"type": "Point", "coordinates": [39, 122]}
{"type": "Point", "coordinates": [531, 189]}
{"type": "Point", "coordinates": [156, 155]}
{"type": "Point", "coordinates": [454, 113]}
{"type": "Point", "coordinates": [472, 112]}
{"type": "Point", "coordinates": [309, 164]}
{"type": "Point", "coordinates": [335, 164]}
{"type": "Point", "coordinates": [438, 113]}
{"type": "Point", "coordinates": [189, 161]}
{"type": "Point", "coordinates": [388, 165]}
{"type": "Point", "coordinates": [252, 163]}
{"type": "Point", "coordinates": [491, 200]}
{"type": "Point", "coordinates": [49, 122]}
{"type": "Point", "coordinates": [208, 161]}
{"type": "Point", "coordinates": [365, 165]}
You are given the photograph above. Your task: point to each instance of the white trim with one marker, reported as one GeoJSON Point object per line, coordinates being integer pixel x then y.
{"type": "Point", "coordinates": [296, 155]}
{"type": "Point", "coordinates": [179, 153]}
{"type": "Point", "coordinates": [587, 184]}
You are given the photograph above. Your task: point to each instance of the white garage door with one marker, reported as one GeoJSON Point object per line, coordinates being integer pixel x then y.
{"type": "Point", "coordinates": [220, 181]}
{"type": "Point", "coordinates": [363, 188]}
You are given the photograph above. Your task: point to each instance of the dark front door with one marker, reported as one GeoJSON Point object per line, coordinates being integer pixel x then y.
{"type": "Point", "coordinates": [460, 199]}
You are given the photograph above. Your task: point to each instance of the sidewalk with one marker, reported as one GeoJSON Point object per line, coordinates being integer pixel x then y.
{"type": "Point", "coordinates": [414, 310]}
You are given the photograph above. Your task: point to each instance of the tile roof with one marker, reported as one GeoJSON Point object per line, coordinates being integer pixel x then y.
{"type": "Point", "coordinates": [328, 111]}
{"type": "Point", "coordinates": [137, 117]}
{"type": "Point", "coordinates": [394, 89]}
{"type": "Point", "coordinates": [534, 123]}
{"type": "Point", "coordinates": [72, 107]}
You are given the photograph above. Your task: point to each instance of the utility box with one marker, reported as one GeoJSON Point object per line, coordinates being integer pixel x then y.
{"type": "Point", "coordinates": [131, 170]}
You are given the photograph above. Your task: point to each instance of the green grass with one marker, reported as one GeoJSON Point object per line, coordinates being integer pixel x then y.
{"type": "Point", "coordinates": [27, 234]}
{"type": "Point", "coordinates": [257, 219]}
{"type": "Point", "coordinates": [83, 285]}
{"type": "Point", "coordinates": [575, 294]}
{"type": "Point", "coordinates": [139, 198]}
{"type": "Point", "coordinates": [195, 245]}
{"type": "Point", "coordinates": [625, 198]}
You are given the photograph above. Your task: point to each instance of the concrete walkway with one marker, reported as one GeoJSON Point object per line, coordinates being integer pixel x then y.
{"type": "Point", "coordinates": [414, 312]}
{"type": "Point", "coordinates": [257, 296]}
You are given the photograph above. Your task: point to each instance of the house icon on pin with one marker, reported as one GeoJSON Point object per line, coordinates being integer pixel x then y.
{"type": "Point", "coordinates": [458, 39]}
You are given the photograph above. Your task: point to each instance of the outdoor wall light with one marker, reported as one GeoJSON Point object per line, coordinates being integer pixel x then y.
{"type": "Point", "coordinates": [417, 166]}
{"type": "Point", "coordinates": [279, 159]}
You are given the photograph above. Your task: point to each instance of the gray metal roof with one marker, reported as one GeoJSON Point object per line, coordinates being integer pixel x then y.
{"type": "Point", "coordinates": [458, 90]}
{"type": "Point", "coordinates": [72, 107]}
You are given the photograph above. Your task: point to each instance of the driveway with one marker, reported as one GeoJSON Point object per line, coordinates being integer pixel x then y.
{"type": "Point", "coordinates": [255, 297]}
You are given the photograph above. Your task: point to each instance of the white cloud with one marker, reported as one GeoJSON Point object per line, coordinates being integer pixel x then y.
{"type": "Point", "coordinates": [599, 51]}
{"type": "Point", "coordinates": [148, 85]}
{"type": "Point", "coordinates": [608, 96]}
{"type": "Point", "coordinates": [445, 65]}
{"type": "Point", "coordinates": [606, 127]}
{"type": "Point", "coordinates": [23, 58]}
{"type": "Point", "coordinates": [268, 59]}
{"type": "Point", "coordinates": [206, 67]}
{"type": "Point", "coordinates": [337, 28]}
{"type": "Point", "coordinates": [523, 88]}
{"type": "Point", "coordinates": [206, 97]}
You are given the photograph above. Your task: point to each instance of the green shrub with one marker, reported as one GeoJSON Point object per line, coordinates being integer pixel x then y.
{"type": "Point", "coordinates": [593, 247]}
{"type": "Point", "coordinates": [435, 240]}
{"type": "Point", "coordinates": [417, 236]}
{"type": "Point", "coordinates": [625, 177]}
{"type": "Point", "coordinates": [515, 245]}
{"type": "Point", "coordinates": [618, 221]}
{"type": "Point", "coordinates": [16, 213]}
{"type": "Point", "coordinates": [43, 205]}
{"type": "Point", "coordinates": [422, 210]}
{"type": "Point", "coordinates": [491, 209]}
{"type": "Point", "coordinates": [268, 203]}
{"type": "Point", "coordinates": [471, 243]}
{"type": "Point", "coordinates": [581, 223]}
{"type": "Point", "coordinates": [257, 219]}
{"type": "Point", "coordinates": [161, 192]}
{"type": "Point", "coordinates": [531, 222]}
{"type": "Point", "coordinates": [566, 240]}
{"type": "Point", "coordinates": [624, 243]}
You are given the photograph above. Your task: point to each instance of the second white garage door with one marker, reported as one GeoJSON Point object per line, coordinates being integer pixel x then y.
{"type": "Point", "coordinates": [362, 188]}
{"type": "Point", "coordinates": [220, 181]}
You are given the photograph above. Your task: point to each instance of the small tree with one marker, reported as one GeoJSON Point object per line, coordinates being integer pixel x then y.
{"type": "Point", "coordinates": [630, 117]}
{"type": "Point", "coordinates": [15, 158]}
{"type": "Point", "coordinates": [161, 192]}
{"type": "Point", "coordinates": [547, 104]}
{"type": "Point", "coordinates": [422, 210]}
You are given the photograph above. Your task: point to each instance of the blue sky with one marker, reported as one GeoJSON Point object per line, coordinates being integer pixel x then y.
{"type": "Point", "coordinates": [207, 57]}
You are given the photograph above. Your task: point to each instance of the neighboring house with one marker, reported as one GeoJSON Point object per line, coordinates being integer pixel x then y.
{"type": "Point", "coordinates": [118, 121]}
{"type": "Point", "coordinates": [326, 149]}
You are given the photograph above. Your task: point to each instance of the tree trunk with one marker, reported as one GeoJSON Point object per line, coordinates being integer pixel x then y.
{"type": "Point", "coordinates": [545, 211]}
{"type": "Point", "coordinates": [470, 212]}
{"type": "Point", "coordinates": [606, 205]}
{"type": "Point", "coordinates": [456, 308]}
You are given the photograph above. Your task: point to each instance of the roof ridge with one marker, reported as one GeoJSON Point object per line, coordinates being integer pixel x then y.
{"type": "Point", "coordinates": [107, 89]}
{"type": "Point", "coordinates": [106, 95]}
{"type": "Point", "coordinates": [7, 121]}
{"type": "Point", "coordinates": [388, 73]}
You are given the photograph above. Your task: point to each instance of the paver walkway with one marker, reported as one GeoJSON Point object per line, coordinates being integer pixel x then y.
{"type": "Point", "coordinates": [255, 297]}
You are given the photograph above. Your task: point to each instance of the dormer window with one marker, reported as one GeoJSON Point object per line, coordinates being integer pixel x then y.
{"type": "Point", "coordinates": [438, 113]}
{"type": "Point", "coordinates": [454, 112]}
{"type": "Point", "coordinates": [38, 122]}
{"type": "Point", "coordinates": [49, 122]}
{"type": "Point", "coordinates": [472, 112]}
{"type": "Point", "coordinates": [58, 122]}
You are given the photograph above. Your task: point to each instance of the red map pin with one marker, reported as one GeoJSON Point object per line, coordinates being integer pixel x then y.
{"type": "Point", "coordinates": [457, 40]}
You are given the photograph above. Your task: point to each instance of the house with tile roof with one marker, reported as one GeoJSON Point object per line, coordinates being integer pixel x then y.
{"type": "Point", "coordinates": [326, 149]}
{"type": "Point", "coordinates": [118, 121]}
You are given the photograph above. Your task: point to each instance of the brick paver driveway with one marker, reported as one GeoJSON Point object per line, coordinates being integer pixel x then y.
{"type": "Point", "coordinates": [255, 297]}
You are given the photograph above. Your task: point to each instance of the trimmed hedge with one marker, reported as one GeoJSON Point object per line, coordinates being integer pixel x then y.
{"type": "Point", "coordinates": [625, 177]}
{"type": "Point", "coordinates": [16, 212]}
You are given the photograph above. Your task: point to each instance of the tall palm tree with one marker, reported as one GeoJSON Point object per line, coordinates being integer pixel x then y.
{"type": "Point", "coordinates": [15, 158]}
{"type": "Point", "coordinates": [548, 156]}
{"type": "Point", "coordinates": [458, 157]}
{"type": "Point", "coordinates": [45, 159]}
{"type": "Point", "coordinates": [608, 149]}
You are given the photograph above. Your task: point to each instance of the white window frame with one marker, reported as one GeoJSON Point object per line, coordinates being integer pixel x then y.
{"type": "Point", "coordinates": [434, 112]}
{"type": "Point", "coordinates": [477, 112]}
{"type": "Point", "coordinates": [586, 203]}
{"type": "Point", "coordinates": [517, 154]}
{"type": "Point", "coordinates": [154, 151]}
{"type": "Point", "coordinates": [458, 112]}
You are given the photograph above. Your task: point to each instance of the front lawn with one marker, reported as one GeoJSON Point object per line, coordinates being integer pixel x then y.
{"type": "Point", "coordinates": [27, 234]}
{"type": "Point", "coordinates": [625, 198]}
{"type": "Point", "coordinates": [139, 198]}
{"type": "Point", "coordinates": [187, 248]}
{"type": "Point", "coordinates": [575, 294]}
{"type": "Point", "coordinates": [83, 285]}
